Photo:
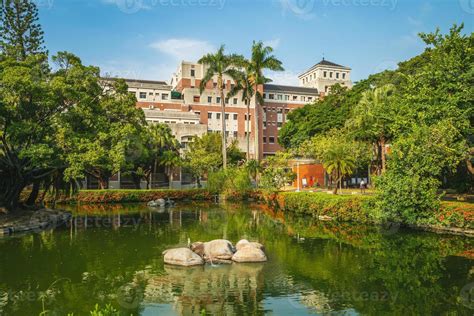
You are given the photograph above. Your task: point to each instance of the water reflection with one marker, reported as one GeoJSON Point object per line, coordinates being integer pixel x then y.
{"type": "Point", "coordinates": [113, 255]}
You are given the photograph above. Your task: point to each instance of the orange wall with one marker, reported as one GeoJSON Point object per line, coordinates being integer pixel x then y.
{"type": "Point", "coordinates": [313, 173]}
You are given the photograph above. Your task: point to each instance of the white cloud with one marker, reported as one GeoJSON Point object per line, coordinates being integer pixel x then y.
{"type": "Point", "coordinates": [183, 48]}
{"type": "Point", "coordinates": [287, 78]}
{"type": "Point", "coordinates": [272, 43]}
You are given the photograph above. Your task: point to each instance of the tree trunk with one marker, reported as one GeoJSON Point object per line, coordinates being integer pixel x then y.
{"type": "Point", "coordinates": [103, 182]}
{"type": "Point", "coordinates": [224, 143]}
{"type": "Point", "coordinates": [382, 153]}
{"type": "Point", "coordinates": [34, 193]}
{"type": "Point", "coordinates": [469, 165]}
{"type": "Point", "coordinates": [136, 181]}
{"type": "Point", "coordinates": [256, 128]}
{"type": "Point", "coordinates": [248, 129]}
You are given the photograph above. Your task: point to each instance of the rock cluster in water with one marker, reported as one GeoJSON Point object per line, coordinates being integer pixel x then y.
{"type": "Point", "coordinates": [216, 251]}
{"type": "Point", "coordinates": [161, 203]}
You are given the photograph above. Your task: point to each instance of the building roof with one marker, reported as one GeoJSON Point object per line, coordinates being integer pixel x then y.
{"type": "Point", "coordinates": [171, 114]}
{"type": "Point", "coordinates": [326, 63]}
{"type": "Point", "coordinates": [146, 84]}
{"type": "Point", "coordinates": [290, 89]}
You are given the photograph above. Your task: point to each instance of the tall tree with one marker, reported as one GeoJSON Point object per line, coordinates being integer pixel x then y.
{"type": "Point", "coordinates": [20, 32]}
{"type": "Point", "coordinates": [243, 84]}
{"type": "Point", "coordinates": [261, 60]}
{"type": "Point", "coordinates": [219, 64]}
{"type": "Point", "coordinates": [372, 121]}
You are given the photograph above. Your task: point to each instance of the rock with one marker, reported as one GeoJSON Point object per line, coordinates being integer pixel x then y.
{"type": "Point", "coordinates": [249, 254]}
{"type": "Point", "coordinates": [182, 257]}
{"type": "Point", "coordinates": [214, 250]}
{"type": "Point", "coordinates": [157, 203]}
{"type": "Point", "coordinates": [244, 242]}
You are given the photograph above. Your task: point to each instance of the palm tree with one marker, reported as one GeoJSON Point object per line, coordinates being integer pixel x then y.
{"type": "Point", "coordinates": [170, 159]}
{"type": "Point", "coordinates": [163, 140]}
{"type": "Point", "coordinates": [261, 59]}
{"type": "Point", "coordinates": [372, 120]}
{"type": "Point", "coordinates": [339, 163]}
{"type": "Point", "coordinates": [219, 64]}
{"type": "Point", "coordinates": [243, 83]}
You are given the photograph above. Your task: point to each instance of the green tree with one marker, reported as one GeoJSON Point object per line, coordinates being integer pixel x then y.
{"type": "Point", "coordinates": [243, 83]}
{"type": "Point", "coordinates": [20, 32]}
{"type": "Point", "coordinates": [372, 119]}
{"type": "Point", "coordinates": [219, 64]}
{"type": "Point", "coordinates": [276, 171]}
{"type": "Point", "coordinates": [261, 60]}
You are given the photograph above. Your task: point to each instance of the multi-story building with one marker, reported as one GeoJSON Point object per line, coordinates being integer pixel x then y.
{"type": "Point", "coordinates": [325, 74]}
{"type": "Point", "coordinates": [189, 112]}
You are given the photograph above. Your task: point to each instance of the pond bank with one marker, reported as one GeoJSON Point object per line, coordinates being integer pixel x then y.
{"type": "Point", "coordinates": [32, 221]}
{"type": "Point", "coordinates": [453, 217]}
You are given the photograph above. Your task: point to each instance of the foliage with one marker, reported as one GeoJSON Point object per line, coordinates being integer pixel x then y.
{"type": "Point", "coordinates": [276, 171]}
{"type": "Point", "coordinates": [231, 181]}
{"type": "Point", "coordinates": [219, 64]}
{"type": "Point", "coordinates": [203, 155]}
{"type": "Point", "coordinates": [129, 196]}
{"type": "Point", "coordinates": [21, 34]}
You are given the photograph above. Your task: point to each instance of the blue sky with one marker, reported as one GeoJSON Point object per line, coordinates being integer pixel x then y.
{"type": "Point", "coordinates": [147, 38]}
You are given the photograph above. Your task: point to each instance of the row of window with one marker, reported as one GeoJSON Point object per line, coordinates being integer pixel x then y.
{"type": "Point", "coordinates": [235, 116]}
{"type": "Point", "coordinates": [286, 97]}
{"type": "Point", "coordinates": [276, 110]}
{"type": "Point", "coordinates": [227, 133]}
{"type": "Point", "coordinates": [271, 140]}
{"type": "Point", "coordinates": [143, 95]}
{"type": "Point", "coordinates": [197, 99]}
{"type": "Point", "coordinates": [278, 124]}
{"type": "Point", "coordinates": [337, 75]}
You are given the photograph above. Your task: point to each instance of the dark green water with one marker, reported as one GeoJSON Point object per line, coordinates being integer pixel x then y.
{"type": "Point", "coordinates": [113, 255]}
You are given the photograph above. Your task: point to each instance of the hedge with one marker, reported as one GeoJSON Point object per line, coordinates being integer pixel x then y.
{"type": "Point", "coordinates": [126, 196]}
{"type": "Point", "coordinates": [361, 208]}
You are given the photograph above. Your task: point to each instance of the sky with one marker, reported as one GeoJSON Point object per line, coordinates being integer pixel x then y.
{"type": "Point", "coordinates": [146, 39]}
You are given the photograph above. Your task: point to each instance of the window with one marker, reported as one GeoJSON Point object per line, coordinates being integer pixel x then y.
{"type": "Point", "coordinates": [287, 97]}
{"type": "Point", "coordinates": [302, 98]}
{"type": "Point", "coordinates": [198, 113]}
{"type": "Point", "coordinates": [287, 111]}
{"type": "Point", "coordinates": [279, 124]}
{"type": "Point", "coordinates": [330, 74]}
{"type": "Point", "coordinates": [310, 99]}
{"type": "Point", "coordinates": [295, 97]}
{"type": "Point", "coordinates": [236, 116]}
{"type": "Point", "coordinates": [209, 115]}
{"type": "Point", "coordinates": [325, 74]}
{"type": "Point", "coordinates": [157, 94]}
{"type": "Point", "coordinates": [142, 95]}
{"type": "Point", "coordinates": [218, 116]}
{"type": "Point", "coordinates": [218, 100]}
{"type": "Point", "coordinates": [235, 134]}
{"type": "Point", "coordinates": [337, 75]}
{"type": "Point", "coordinates": [264, 110]}
{"type": "Point", "coordinates": [264, 95]}
{"type": "Point", "coordinates": [214, 84]}
{"type": "Point", "coordinates": [164, 96]}
{"type": "Point", "coordinates": [279, 97]}
{"type": "Point", "coordinates": [196, 98]}
{"type": "Point", "coordinates": [192, 72]}
{"type": "Point", "coordinates": [227, 116]}
{"type": "Point", "coordinates": [226, 100]}
{"type": "Point", "coordinates": [249, 117]}
{"type": "Point", "coordinates": [271, 140]}
{"type": "Point", "coordinates": [271, 96]}
{"type": "Point", "coordinates": [209, 99]}
{"type": "Point", "coordinates": [235, 101]}
{"type": "Point", "coordinates": [264, 124]}
{"type": "Point", "coordinates": [150, 93]}
{"type": "Point", "coordinates": [279, 110]}
{"type": "Point", "coordinates": [343, 76]}
{"type": "Point", "coordinates": [264, 140]}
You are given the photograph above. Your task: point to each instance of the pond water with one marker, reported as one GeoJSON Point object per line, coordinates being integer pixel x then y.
{"type": "Point", "coordinates": [112, 254]}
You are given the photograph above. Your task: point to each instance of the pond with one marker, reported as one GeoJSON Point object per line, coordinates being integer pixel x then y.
{"type": "Point", "coordinates": [112, 254]}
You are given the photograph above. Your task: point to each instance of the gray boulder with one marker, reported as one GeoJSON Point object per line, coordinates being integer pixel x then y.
{"type": "Point", "coordinates": [214, 250]}
{"type": "Point", "coordinates": [182, 257]}
{"type": "Point", "coordinates": [249, 253]}
{"type": "Point", "coordinates": [244, 242]}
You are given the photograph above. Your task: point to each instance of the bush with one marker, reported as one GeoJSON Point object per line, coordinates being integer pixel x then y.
{"type": "Point", "coordinates": [126, 196]}
{"type": "Point", "coordinates": [234, 182]}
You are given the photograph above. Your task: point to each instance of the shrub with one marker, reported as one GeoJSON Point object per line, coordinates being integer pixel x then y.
{"type": "Point", "coordinates": [234, 182]}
